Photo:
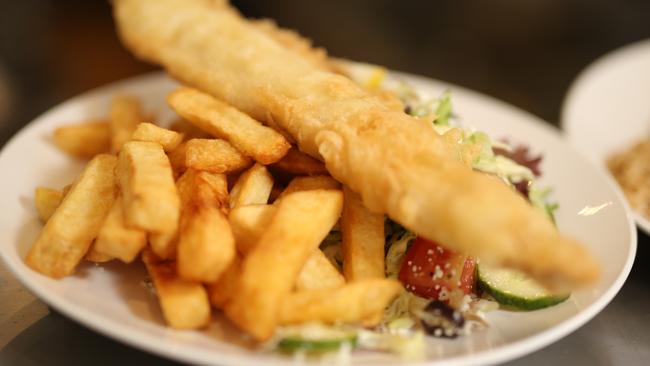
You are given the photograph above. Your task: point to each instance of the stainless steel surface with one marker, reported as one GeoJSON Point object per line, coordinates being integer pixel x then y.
{"type": "Point", "coordinates": [29, 335]}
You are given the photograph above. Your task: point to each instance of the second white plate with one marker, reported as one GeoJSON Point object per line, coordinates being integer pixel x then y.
{"type": "Point", "coordinates": [607, 108]}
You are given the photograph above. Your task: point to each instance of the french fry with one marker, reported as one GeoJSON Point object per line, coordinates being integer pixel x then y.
{"type": "Point", "coordinates": [177, 159]}
{"type": "Point", "coordinates": [116, 239]}
{"type": "Point", "coordinates": [221, 291]}
{"type": "Point", "coordinates": [249, 223]}
{"type": "Point", "coordinates": [92, 255]}
{"type": "Point", "coordinates": [184, 303]}
{"type": "Point", "coordinates": [164, 244]}
{"type": "Point", "coordinates": [84, 140]}
{"type": "Point", "coordinates": [149, 132]}
{"type": "Point", "coordinates": [253, 187]}
{"type": "Point", "coordinates": [206, 246]}
{"type": "Point", "coordinates": [188, 130]}
{"type": "Point", "coordinates": [149, 195]}
{"type": "Point", "coordinates": [356, 302]}
{"type": "Point", "coordinates": [363, 239]}
{"type": "Point", "coordinates": [67, 235]}
{"type": "Point", "coordinates": [214, 155]}
{"type": "Point", "coordinates": [269, 271]}
{"type": "Point", "coordinates": [318, 273]}
{"type": "Point", "coordinates": [310, 183]}
{"type": "Point", "coordinates": [126, 113]}
{"type": "Point", "coordinates": [46, 201]}
{"type": "Point", "coordinates": [299, 163]}
{"type": "Point", "coordinates": [253, 139]}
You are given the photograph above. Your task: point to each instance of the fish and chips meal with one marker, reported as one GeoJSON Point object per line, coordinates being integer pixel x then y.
{"type": "Point", "coordinates": [317, 208]}
{"type": "Point", "coordinates": [631, 168]}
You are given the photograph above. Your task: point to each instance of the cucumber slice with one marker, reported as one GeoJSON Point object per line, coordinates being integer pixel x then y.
{"type": "Point", "coordinates": [514, 289]}
{"type": "Point", "coordinates": [315, 339]}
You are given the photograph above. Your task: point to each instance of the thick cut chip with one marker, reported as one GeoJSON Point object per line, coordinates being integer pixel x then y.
{"type": "Point", "coordinates": [116, 239]}
{"type": "Point", "coordinates": [222, 290]}
{"type": "Point", "coordinates": [46, 201]}
{"type": "Point", "coordinates": [318, 273]}
{"type": "Point", "coordinates": [126, 114]}
{"type": "Point", "coordinates": [164, 244]}
{"type": "Point", "coordinates": [269, 271]}
{"type": "Point", "coordinates": [188, 130]}
{"type": "Point", "coordinates": [309, 183]}
{"type": "Point", "coordinates": [253, 139]}
{"type": "Point", "coordinates": [67, 235]}
{"type": "Point", "coordinates": [356, 302]}
{"type": "Point", "coordinates": [177, 159]}
{"type": "Point", "coordinates": [84, 140]}
{"type": "Point", "coordinates": [298, 163]}
{"type": "Point", "coordinates": [149, 194]}
{"type": "Point", "coordinates": [206, 246]}
{"type": "Point", "coordinates": [363, 239]}
{"type": "Point", "coordinates": [184, 303]}
{"type": "Point", "coordinates": [249, 223]}
{"type": "Point", "coordinates": [96, 257]}
{"type": "Point", "coordinates": [168, 139]}
{"type": "Point", "coordinates": [214, 155]}
{"type": "Point", "coordinates": [253, 187]}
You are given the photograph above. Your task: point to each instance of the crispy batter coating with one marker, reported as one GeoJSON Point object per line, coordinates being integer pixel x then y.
{"type": "Point", "coordinates": [397, 163]}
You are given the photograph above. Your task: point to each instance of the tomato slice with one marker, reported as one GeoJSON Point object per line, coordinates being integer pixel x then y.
{"type": "Point", "coordinates": [428, 268]}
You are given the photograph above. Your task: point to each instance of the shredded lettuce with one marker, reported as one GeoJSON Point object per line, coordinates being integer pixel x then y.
{"type": "Point", "coordinates": [539, 199]}
{"type": "Point", "coordinates": [408, 346]}
{"type": "Point", "coordinates": [443, 111]}
{"type": "Point", "coordinates": [396, 252]}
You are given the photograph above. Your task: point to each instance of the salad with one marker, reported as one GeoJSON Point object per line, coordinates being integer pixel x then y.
{"type": "Point", "coordinates": [447, 293]}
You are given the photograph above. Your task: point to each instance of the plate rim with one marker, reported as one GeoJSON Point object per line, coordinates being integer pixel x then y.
{"type": "Point", "coordinates": [604, 63]}
{"type": "Point", "coordinates": [509, 351]}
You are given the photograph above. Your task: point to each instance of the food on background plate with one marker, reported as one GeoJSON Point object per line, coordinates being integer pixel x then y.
{"type": "Point", "coordinates": [399, 165]}
{"type": "Point", "coordinates": [631, 168]}
{"type": "Point", "coordinates": [405, 237]}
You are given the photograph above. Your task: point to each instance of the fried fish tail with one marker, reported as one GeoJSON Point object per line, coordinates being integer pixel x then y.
{"type": "Point", "coordinates": [397, 163]}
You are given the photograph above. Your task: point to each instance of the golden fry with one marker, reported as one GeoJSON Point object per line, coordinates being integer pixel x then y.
{"type": "Point", "coordinates": [164, 244]}
{"type": "Point", "coordinates": [177, 159]}
{"type": "Point", "coordinates": [94, 256]}
{"type": "Point", "coordinates": [84, 140]}
{"type": "Point", "coordinates": [250, 137]}
{"type": "Point", "coordinates": [67, 235]}
{"type": "Point", "coordinates": [269, 271]}
{"type": "Point", "coordinates": [149, 194]}
{"type": "Point", "coordinates": [149, 132]}
{"type": "Point", "coordinates": [126, 114]}
{"type": "Point", "coordinates": [318, 273]}
{"type": "Point", "coordinates": [249, 223]}
{"type": "Point", "coordinates": [206, 246]}
{"type": "Point", "coordinates": [188, 130]}
{"type": "Point", "coordinates": [356, 302]}
{"type": "Point", "coordinates": [116, 239]}
{"type": "Point", "coordinates": [253, 187]}
{"type": "Point", "coordinates": [184, 303]}
{"type": "Point", "coordinates": [213, 155]}
{"type": "Point", "coordinates": [363, 239]}
{"type": "Point", "coordinates": [46, 201]}
{"type": "Point", "coordinates": [298, 163]}
{"type": "Point", "coordinates": [310, 183]}
{"type": "Point", "coordinates": [222, 290]}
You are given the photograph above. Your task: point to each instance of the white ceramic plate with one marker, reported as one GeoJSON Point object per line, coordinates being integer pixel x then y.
{"type": "Point", "coordinates": [112, 300]}
{"type": "Point", "coordinates": [607, 108]}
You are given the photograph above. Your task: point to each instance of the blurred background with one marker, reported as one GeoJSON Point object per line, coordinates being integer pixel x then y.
{"type": "Point", "coordinates": [524, 52]}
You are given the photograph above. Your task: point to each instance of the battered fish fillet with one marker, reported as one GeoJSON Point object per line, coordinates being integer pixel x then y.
{"type": "Point", "coordinates": [398, 164]}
